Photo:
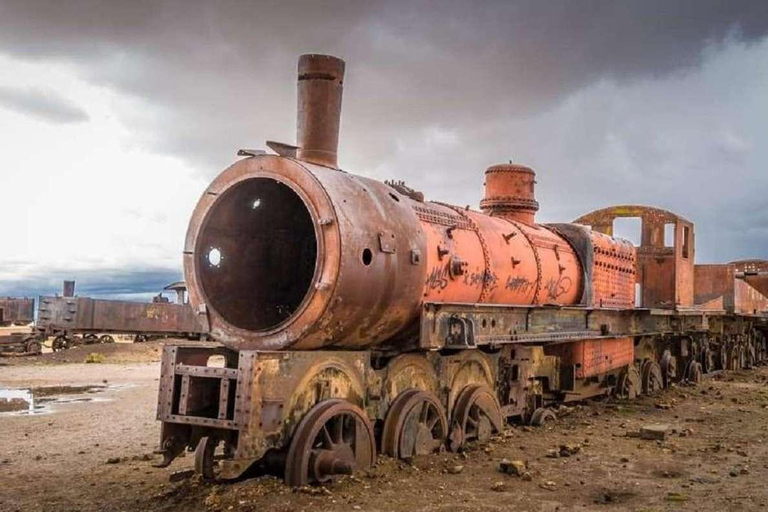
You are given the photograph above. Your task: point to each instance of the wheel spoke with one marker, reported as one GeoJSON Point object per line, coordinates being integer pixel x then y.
{"type": "Point", "coordinates": [326, 436]}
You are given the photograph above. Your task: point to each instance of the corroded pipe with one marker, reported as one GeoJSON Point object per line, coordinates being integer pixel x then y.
{"type": "Point", "coordinates": [321, 82]}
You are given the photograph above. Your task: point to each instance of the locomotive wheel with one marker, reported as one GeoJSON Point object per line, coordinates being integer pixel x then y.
{"type": "Point", "coordinates": [106, 338]}
{"type": "Point", "coordinates": [334, 438]}
{"type": "Point", "coordinates": [90, 339]}
{"type": "Point", "coordinates": [206, 464]}
{"type": "Point", "coordinates": [476, 416]}
{"type": "Point", "coordinates": [542, 416]}
{"type": "Point", "coordinates": [652, 379]}
{"type": "Point", "coordinates": [629, 383]}
{"type": "Point", "coordinates": [59, 343]}
{"type": "Point", "coordinates": [693, 373]}
{"type": "Point", "coordinates": [415, 425]}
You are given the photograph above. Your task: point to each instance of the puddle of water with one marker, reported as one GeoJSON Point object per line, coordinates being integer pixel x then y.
{"type": "Point", "coordinates": [40, 400]}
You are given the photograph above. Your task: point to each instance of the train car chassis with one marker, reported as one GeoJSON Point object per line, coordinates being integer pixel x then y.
{"type": "Point", "coordinates": [312, 415]}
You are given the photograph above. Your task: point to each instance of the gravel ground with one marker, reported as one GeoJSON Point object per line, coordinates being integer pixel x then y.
{"type": "Point", "coordinates": [91, 450]}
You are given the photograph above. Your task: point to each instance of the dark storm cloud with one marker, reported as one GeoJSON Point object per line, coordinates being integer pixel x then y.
{"type": "Point", "coordinates": [218, 71]}
{"type": "Point", "coordinates": [104, 283]}
{"type": "Point", "coordinates": [42, 104]}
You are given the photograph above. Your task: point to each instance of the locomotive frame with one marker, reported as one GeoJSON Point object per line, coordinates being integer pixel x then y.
{"type": "Point", "coordinates": [426, 344]}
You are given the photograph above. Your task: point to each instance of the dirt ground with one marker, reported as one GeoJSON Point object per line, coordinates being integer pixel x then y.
{"type": "Point", "coordinates": [91, 450]}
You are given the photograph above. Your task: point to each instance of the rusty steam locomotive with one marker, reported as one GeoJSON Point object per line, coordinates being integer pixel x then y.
{"type": "Point", "coordinates": [352, 317]}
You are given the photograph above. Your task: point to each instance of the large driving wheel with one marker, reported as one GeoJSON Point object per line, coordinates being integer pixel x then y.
{"type": "Point", "coordinates": [476, 416]}
{"type": "Point", "coordinates": [334, 438]}
{"type": "Point", "coordinates": [415, 425]}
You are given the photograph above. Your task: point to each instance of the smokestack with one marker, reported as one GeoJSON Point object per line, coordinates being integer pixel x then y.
{"type": "Point", "coordinates": [69, 289]}
{"type": "Point", "coordinates": [321, 80]}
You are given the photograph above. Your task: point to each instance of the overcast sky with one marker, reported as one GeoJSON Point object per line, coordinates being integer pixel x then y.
{"type": "Point", "coordinates": [114, 116]}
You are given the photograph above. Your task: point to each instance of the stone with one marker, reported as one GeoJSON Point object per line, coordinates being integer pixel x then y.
{"type": "Point", "coordinates": [526, 477]}
{"type": "Point", "coordinates": [515, 467]}
{"type": "Point", "coordinates": [113, 460]}
{"type": "Point", "coordinates": [498, 487]}
{"type": "Point", "coordinates": [178, 476]}
{"type": "Point", "coordinates": [654, 432]}
{"type": "Point", "coordinates": [549, 485]}
{"type": "Point", "coordinates": [455, 470]}
{"type": "Point", "coordinates": [553, 454]}
{"type": "Point", "coordinates": [566, 450]}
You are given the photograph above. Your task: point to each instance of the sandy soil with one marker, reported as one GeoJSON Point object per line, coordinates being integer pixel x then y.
{"type": "Point", "coordinates": [97, 455]}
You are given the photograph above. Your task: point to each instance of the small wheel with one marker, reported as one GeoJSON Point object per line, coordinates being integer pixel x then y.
{"type": "Point", "coordinates": [708, 357]}
{"type": "Point", "coordinates": [629, 385]}
{"type": "Point", "coordinates": [140, 338]}
{"type": "Point", "coordinates": [749, 357]}
{"type": "Point", "coordinates": [542, 416]}
{"type": "Point", "coordinates": [651, 376]}
{"type": "Point", "coordinates": [90, 339]}
{"type": "Point", "coordinates": [722, 357]}
{"type": "Point", "coordinates": [476, 416]}
{"type": "Point", "coordinates": [334, 438]}
{"type": "Point", "coordinates": [75, 341]}
{"type": "Point", "coordinates": [106, 338]}
{"type": "Point", "coordinates": [415, 425]}
{"type": "Point", "coordinates": [34, 347]}
{"type": "Point", "coordinates": [59, 343]}
{"type": "Point", "coordinates": [668, 366]}
{"type": "Point", "coordinates": [693, 373]}
{"type": "Point", "coordinates": [206, 464]}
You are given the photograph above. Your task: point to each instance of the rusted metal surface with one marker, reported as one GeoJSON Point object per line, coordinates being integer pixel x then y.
{"type": "Point", "coordinates": [509, 193]}
{"type": "Point", "coordinates": [321, 82]}
{"type": "Point", "coordinates": [665, 273]}
{"type": "Point", "coordinates": [733, 287]}
{"type": "Point", "coordinates": [83, 314]}
{"type": "Point", "coordinates": [16, 310]}
{"type": "Point", "coordinates": [342, 303]}
{"type": "Point", "coordinates": [283, 253]}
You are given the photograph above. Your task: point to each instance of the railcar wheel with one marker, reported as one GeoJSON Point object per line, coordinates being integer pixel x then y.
{"type": "Point", "coordinates": [91, 339]}
{"type": "Point", "coordinates": [652, 379]}
{"type": "Point", "coordinates": [415, 425]}
{"type": "Point", "coordinates": [722, 357]}
{"type": "Point", "coordinates": [106, 338]}
{"type": "Point", "coordinates": [334, 438]}
{"type": "Point", "coordinates": [749, 356]}
{"type": "Point", "coordinates": [34, 347]}
{"type": "Point", "coordinates": [708, 357]}
{"type": "Point", "coordinates": [59, 343]}
{"type": "Point", "coordinates": [476, 416]}
{"type": "Point", "coordinates": [668, 366]}
{"type": "Point", "coordinates": [140, 338]}
{"type": "Point", "coordinates": [735, 358]}
{"type": "Point", "coordinates": [693, 373]}
{"type": "Point", "coordinates": [206, 463]}
{"type": "Point", "coordinates": [628, 386]}
{"type": "Point", "coordinates": [542, 416]}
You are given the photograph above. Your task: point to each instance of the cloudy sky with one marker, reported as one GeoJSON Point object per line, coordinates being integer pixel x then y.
{"type": "Point", "coordinates": [115, 115]}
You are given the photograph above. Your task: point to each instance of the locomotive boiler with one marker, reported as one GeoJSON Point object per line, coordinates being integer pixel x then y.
{"type": "Point", "coordinates": [353, 317]}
